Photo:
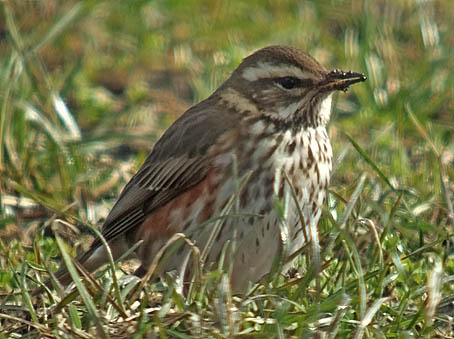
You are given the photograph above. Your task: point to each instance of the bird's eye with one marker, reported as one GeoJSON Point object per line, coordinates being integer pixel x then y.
{"type": "Point", "coordinates": [288, 82]}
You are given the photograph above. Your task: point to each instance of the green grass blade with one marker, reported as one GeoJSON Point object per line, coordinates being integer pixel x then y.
{"type": "Point", "coordinates": [369, 161]}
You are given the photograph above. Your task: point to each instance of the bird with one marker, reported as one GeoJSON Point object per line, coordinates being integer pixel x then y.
{"type": "Point", "coordinates": [216, 173]}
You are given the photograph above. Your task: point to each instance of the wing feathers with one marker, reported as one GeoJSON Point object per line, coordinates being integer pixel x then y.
{"type": "Point", "coordinates": [122, 225]}
{"type": "Point", "coordinates": [178, 161]}
{"type": "Point", "coordinates": [152, 187]}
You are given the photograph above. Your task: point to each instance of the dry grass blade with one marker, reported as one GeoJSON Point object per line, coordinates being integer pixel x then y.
{"type": "Point", "coordinates": [112, 267]}
{"type": "Point", "coordinates": [34, 324]}
{"type": "Point", "coordinates": [233, 201]}
{"type": "Point", "coordinates": [368, 316]}
{"type": "Point", "coordinates": [434, 292]}
{"type": "Point", "coordinates": [340, 312]}
{"type": "Point", "coordinates": [157, 259]}
{"type": "Point", "coordinates": [90, 306]}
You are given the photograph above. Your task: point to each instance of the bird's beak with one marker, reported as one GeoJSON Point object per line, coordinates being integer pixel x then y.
{"type": "Point", "coordinates": [340, 80]}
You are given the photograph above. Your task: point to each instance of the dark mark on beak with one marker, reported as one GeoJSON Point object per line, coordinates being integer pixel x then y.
{"type": "Point", "coordinates": [340, 80]}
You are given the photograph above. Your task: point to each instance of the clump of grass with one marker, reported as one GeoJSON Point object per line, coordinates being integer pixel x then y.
{"type": "Point", "coordinates": [81, 79]}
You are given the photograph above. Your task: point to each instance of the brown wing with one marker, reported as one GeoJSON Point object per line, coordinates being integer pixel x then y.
{"type": "Point", "coordinates": [177, 162]}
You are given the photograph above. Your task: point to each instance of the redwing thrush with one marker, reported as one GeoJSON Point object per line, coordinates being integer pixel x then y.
{"type": "Point", "coordinates": [270, 116]}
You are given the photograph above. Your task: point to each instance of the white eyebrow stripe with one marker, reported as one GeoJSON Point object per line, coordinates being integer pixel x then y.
{"type": "Point", "coordinates": [267, 70]}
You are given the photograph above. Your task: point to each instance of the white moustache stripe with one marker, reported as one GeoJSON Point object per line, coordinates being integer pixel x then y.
{"type": "Point", "coordinates": [325, 108]}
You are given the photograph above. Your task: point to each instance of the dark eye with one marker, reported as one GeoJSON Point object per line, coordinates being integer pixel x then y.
{"type": "Point", "coordinates": [288, 82]}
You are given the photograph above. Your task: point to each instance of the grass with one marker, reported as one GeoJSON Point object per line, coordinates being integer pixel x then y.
{"type": "Point", "coordinates": [87, 87]}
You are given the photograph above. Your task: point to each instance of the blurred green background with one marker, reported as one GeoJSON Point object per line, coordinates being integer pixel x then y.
{"type": "Point", "coordinates": [87, 87]}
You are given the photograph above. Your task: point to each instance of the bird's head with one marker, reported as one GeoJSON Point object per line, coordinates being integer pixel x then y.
{"type": "Point", "coordinates": [286, 87]}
